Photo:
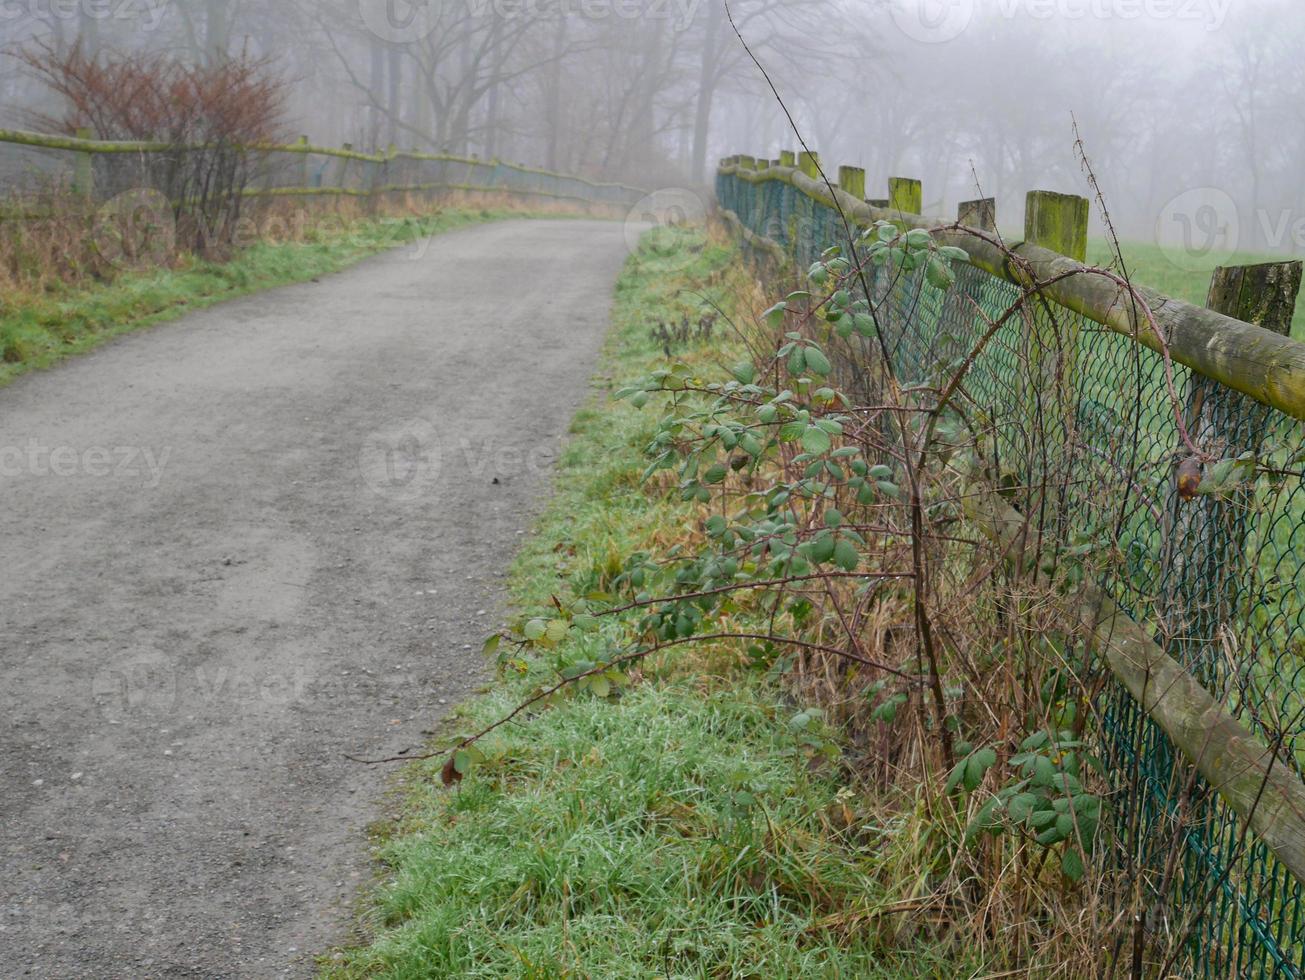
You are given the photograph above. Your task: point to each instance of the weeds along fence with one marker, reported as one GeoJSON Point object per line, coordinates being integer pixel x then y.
{"type": "Point", "coordinates": [102, 170]}
{"type": "Point", "coordinates": [1182, 471]}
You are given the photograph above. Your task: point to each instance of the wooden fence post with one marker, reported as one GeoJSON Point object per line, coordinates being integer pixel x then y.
{"type": "Point", "coordinates": [84, 174]}
{"type": "Point", "coordinates": [809, 164]}
{"type": "Point", "coordinates": [1207, 542]}
{"type": "Point", "coordinates": [980, 214]}
{"type": "Point", "coordinates": [787, 159]}
{"type": "Point", "coordinates": [342, 174]}
{"type": "Point", "coordinates": [1058, 222]}
{"type": "Point", "coordinates": [905, 195]}
{"type": "Point", "coordinates": [747, 162]}
{"type": "Point", "coordinates": [852, 180]}
{"type": "Point", "coordinates": [303, 162]}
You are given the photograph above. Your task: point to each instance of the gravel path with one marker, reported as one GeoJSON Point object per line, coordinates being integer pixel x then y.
{"type": "Point", "coordinates": [236, 549]}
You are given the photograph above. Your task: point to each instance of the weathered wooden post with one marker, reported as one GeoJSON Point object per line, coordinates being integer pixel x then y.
{"type": "Point", "coordinates": [980, 214]}
{"type": "Point", "coordinates": [905, 195]}
{"type": "Point", "coordinates": [747, 162]}
{"type": "Point", "coordinates": [1058, 222]}
{"type": "Point", "coordinates": [303, 161]}
{"type": "Point", "coordinates": [1206, 543]}
{"type": "Point", "coordinates": [342, 175]}
{"type": "Point", "coordinates": [84, 173]}
{"type": "Point", "coordinates": [852, 180]}
{"type": "Point", "coordinates": [809, 164]}
{"type": "Point", "coordinates": [787, 159]}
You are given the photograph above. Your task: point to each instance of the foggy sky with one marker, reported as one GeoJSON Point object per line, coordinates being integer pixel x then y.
{"type": "Point", "coordinates": [1191, 111]}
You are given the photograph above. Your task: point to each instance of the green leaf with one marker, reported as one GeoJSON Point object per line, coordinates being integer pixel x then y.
{"type": "Point", "coordinates": [745, 372]}
{"type": "Point", "coordinates": [918, 238]}
{"type": "Point", "coordinates": [600, 685]}
{"type": "Point", "coordinates": [817, 362]}
{"type": "Point", "coordinates": [955, 776]}
{"type": "Point", "coordinates": [833, 517]}
{"type": "Point", "coordinates": [821, 549]}
{"type": "Point", "coordinates": [846, 556]}
{"type": "Point", "coordinates": [491, 644]}
{"type": "Point", "coordinates": [815, 440]}
{"type": "Point", "coordinates": [535, 629]}
{"type": "Point", "coordinates": [1072, 864]}
{"type": "Point", "coordinates": [556, 630]}
{"type": "Point", "coordinates": [797, 361]}
{"type": "Point", "coordinates": [716, 474]}
{"type": "Point", "coordinates": [939, 274]}
{"type": "Point", "coordinates": [864, 324]}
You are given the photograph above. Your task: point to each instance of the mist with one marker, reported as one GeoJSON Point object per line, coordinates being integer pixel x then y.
{"type": "Point", "coordinates": [1188, 110]}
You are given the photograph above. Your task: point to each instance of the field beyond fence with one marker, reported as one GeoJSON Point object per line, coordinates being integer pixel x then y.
{"type": "Point", "coordinates": [1166, 440]}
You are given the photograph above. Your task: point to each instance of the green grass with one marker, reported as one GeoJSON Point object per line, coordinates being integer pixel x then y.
{"type": "Point", "coordinates": [679, 830]}
{"type": "Point", "coordinates": [1149, 266]}
{"type": "Point", "coordinates": [37, 331]}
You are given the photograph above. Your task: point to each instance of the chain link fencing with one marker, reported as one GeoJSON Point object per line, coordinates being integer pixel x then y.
{"type": "Point", "coordinates": [1088, 415]}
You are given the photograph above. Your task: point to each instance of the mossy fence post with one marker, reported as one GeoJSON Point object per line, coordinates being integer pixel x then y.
{"type": "Point", "coordinates": [84, 174]}
{"type": "Point", "coordinates": [1058, 222]}
{"type": "Point", "coordinates": [905, 195]}
{"type": "Point", "coordinates": [1206, 555]}
{"type": "Point", "coordinates": [980, 214]}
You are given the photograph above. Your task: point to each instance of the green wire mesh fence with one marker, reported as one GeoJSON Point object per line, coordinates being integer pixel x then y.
{"type": "Point", "coordinates": [1088, 414]}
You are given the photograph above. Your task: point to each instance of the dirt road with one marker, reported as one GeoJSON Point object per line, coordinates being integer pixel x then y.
{"type": "Point", "coordinates": [237, 548]}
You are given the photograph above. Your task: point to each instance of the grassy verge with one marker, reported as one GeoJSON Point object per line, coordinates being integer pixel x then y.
{"type": "Point", "coordinates": [682, 827]}
{"type": "Point", "coordinates": [39, 329]}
